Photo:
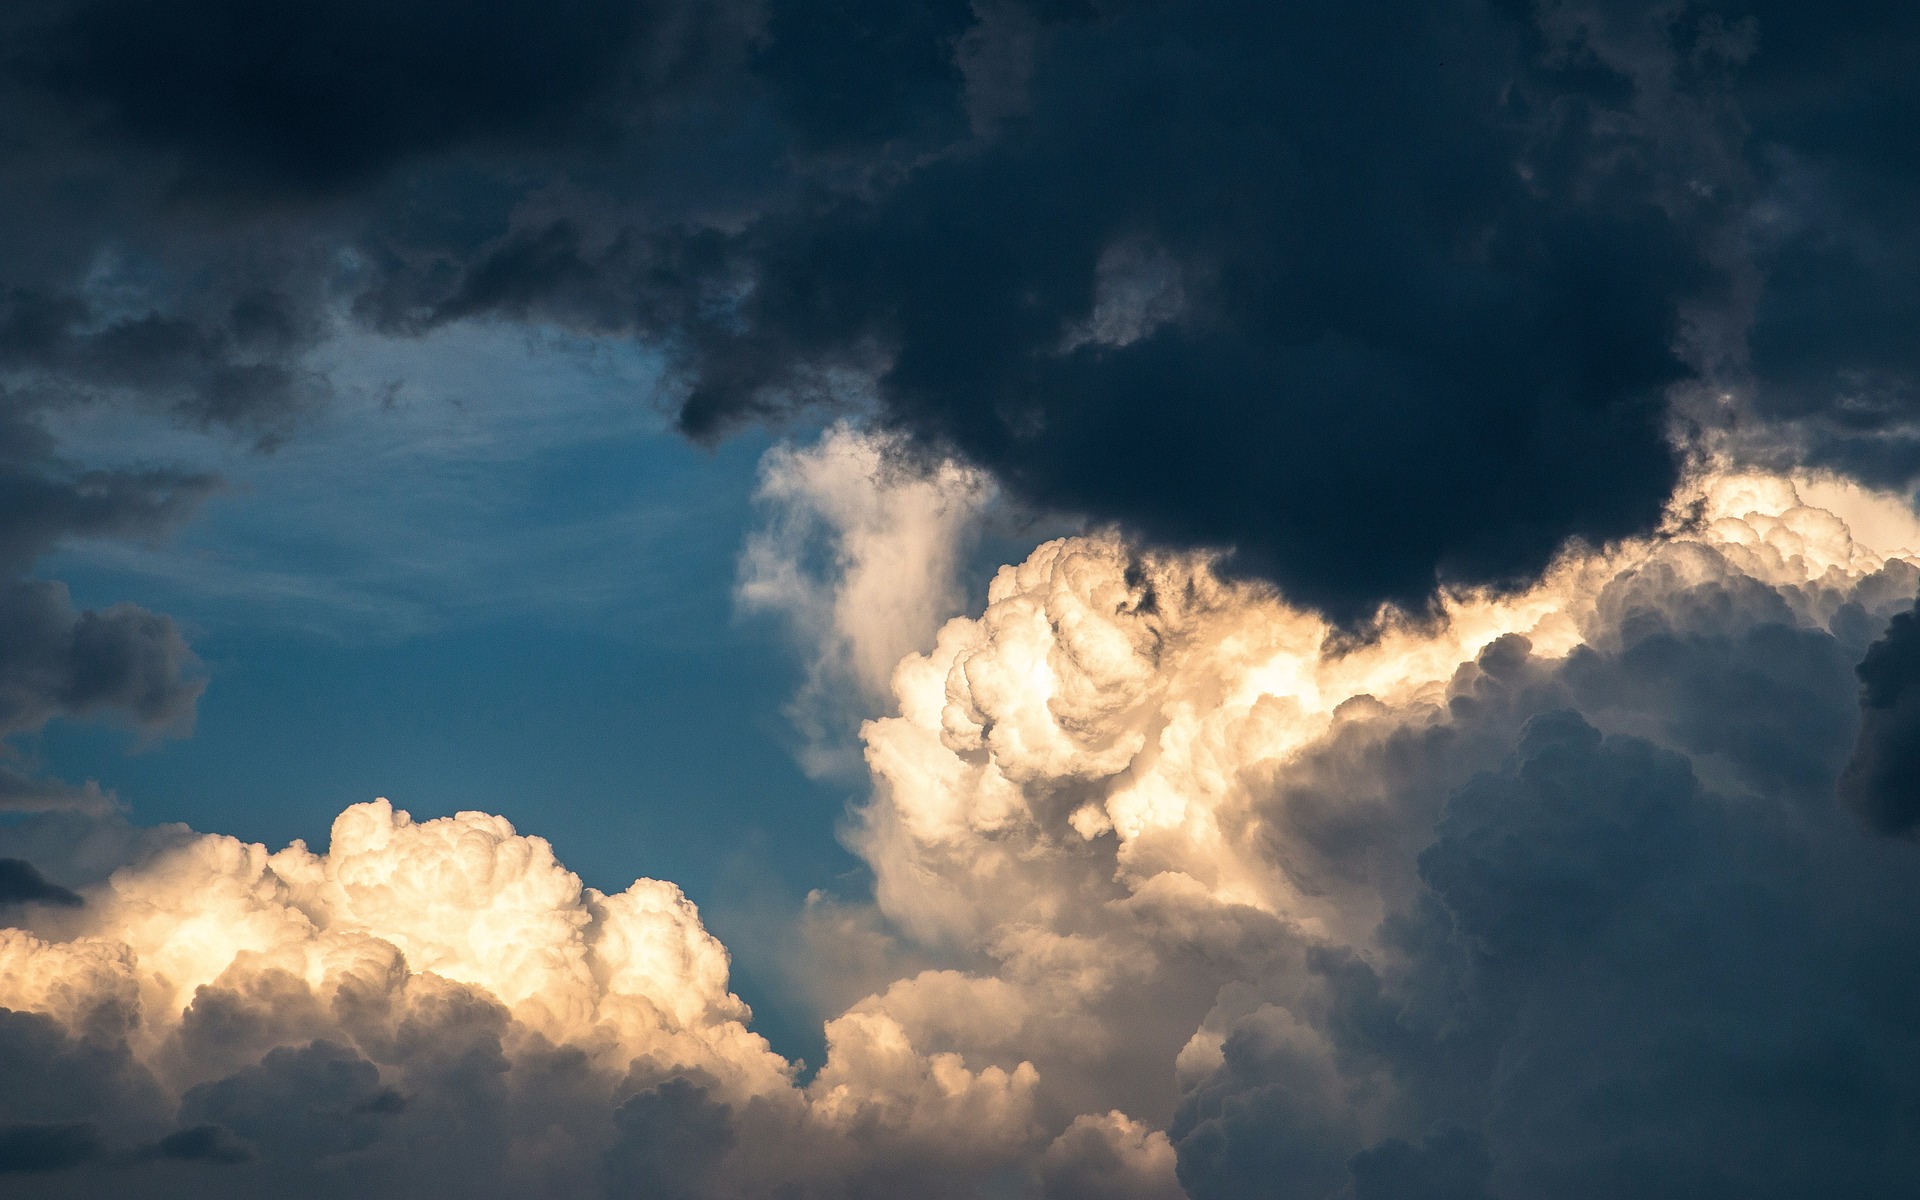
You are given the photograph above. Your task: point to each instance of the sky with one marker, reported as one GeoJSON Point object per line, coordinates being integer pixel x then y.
{"type": "Point", "coordinates": [1047, 599]}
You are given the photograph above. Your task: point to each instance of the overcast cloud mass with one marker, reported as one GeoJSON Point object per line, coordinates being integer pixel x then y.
{"type": "Point", "coordinates": [1469, 748]}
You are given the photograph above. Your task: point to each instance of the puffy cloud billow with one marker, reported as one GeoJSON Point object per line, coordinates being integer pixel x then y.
{"type": "Point", "coordinates": [1584, 889]}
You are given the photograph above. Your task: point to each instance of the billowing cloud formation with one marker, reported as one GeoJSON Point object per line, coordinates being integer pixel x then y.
{"type": "Point", "coordinates": [440, 1007]}
{"type": "Point", "coordinates": [1421, 279]}
{"type": "Point", "coordinates": [861, 557]}
{"type": "Point", "coordinates": [1551, 900]}
{"type": "Point", "coordinates": [1546, 895]}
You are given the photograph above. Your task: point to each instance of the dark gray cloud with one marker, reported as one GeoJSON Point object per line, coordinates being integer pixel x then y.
{"type": "Point", "coordinates": [1447, 1166]}
{"type": "Point", "coordinates": [293, 100]}
{"type": "Point", "coordinates": [22, 883]}
{"type": "Point", "coordinates": [1267, 278]}
{"type": "Point", "coordinates": [1290, 281]}
{"type": "Point", "coordinates": [57, 659]}
{"type": "Point", "coordinates": [1829, 102]}
{"type": "Point", "coordinates": [1374, 298]}
{"type": "Point", "coordinates": [83, 1114]}
{"type": "Point", "coordinates": [46, 1147]}
{"type": "Point", "coordinates": [198, 1144]}
{"type": "Point", "coordinates": [65, 1146]}
{"type": "Point", "coordinates": [298, 1104]}
{"type": "Point", "coordinates": [63, 1090]}
{"type": "Point", "coordinates": [1882, 777]}
{"type": "Point", "coordinates": [668, 1139]}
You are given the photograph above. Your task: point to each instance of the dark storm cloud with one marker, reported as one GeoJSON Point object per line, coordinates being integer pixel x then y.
{"type": "Point", "coordinates": [1292, 279]}
{"type": "Point", "coordinates": [60, 1147]}
{"type": "Point", "coordinates": [1295, 280]}
{"type": "Point", "coordinates": [1833, 103]}
{"type": "Point", "coordinates": [198, 191]}
{"type": "Point", "coordinates": [22, 883]}
{"type": "Point", "coordinates": [1450, 1166]}
{"type": "Point", "coordinates": [50, 1147]}
{"type": "Point", "coordinates": [72, 1099]}
{"type": "Point", "coordinates": [299, 99]}
{"type": "Point", "coordinates": [198, 1144]}
{"type": "Point", "coordinates": [1882, 778]}
{"type": "Point", "coordinates": [297, 1104]}
{"type": "Point", "coordinates": [1376, 297]}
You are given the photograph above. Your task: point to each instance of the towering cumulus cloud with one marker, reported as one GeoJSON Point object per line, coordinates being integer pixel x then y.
{"type": "Point", "coordinates": [1547, 894]}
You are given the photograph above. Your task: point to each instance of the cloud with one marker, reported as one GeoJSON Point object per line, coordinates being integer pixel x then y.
{"type": "Point", "coordinates": [1182, 884]}
{"type": "Point", "coordinates": [860, 555]}
{"type": "Point", "coordinates": [1109, 1157]}
{"type": "Point", "coordinates": [50, 1147]}
{"type": "Point", "coordinates": [439, 1000]}
{"type": "Point", "coordinates": [64, 1146]}
{"type": "Point", "coordinates": [59, 660]}
{"type": "Point", "coordinates": [56, 660]}
{"type": "Point", "coordinates": [1178, 890]}
{"type": "Point", "coordinates": [21, 883]}
{"type": "Point", "coordinates": [1878, 782]}
{"type": "Point", "coordinates": [200, 1143]}
{"type": "Point", "coordinates": [1288, 372]}
{"type": "Point", "coordinates": [1497, 904]}
{"type": "Point", "coordinates": [1449, 1166]}
{"type": "Point", "coordinates": [669, 1139]}
{"type": "Point", "coordinates": [67, 661]}
{"type": "Point", "coordinates": [1428, 290]}
{"type": "Point", "coordinates": [1615, 976]}
{"type": "Point", "coordinates": [341, 96]}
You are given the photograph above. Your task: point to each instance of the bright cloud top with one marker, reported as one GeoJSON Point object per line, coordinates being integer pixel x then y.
{"type": "Point", "coordinates": [462, 900]}
{"type": "Point", "coordinates": [1152, 687]}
